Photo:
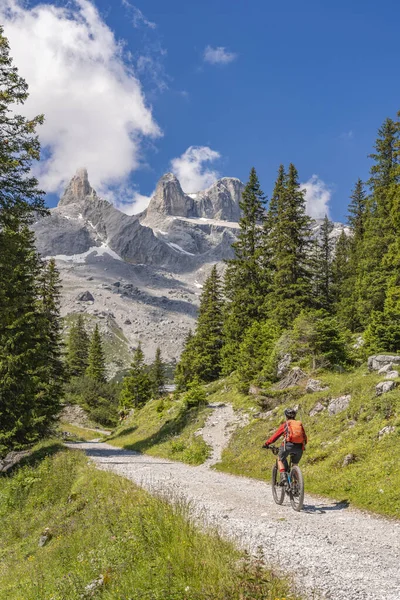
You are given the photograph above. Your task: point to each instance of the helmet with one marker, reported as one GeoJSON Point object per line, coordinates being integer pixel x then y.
{"type": "Point", "coordinates": [290, 413]}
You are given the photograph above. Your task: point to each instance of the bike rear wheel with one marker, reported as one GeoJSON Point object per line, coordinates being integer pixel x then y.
{"type": "Point", "coordinates": [296, 488]}
{"type": "Point", "coordinates": [278, 492]}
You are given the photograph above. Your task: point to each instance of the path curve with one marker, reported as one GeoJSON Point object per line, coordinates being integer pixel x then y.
{"type": "Point", "coordinates": [338, 552]}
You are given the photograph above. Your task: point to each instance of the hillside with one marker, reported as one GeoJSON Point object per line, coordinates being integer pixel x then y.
{"type": "Point", "coordinates": [353, 449]}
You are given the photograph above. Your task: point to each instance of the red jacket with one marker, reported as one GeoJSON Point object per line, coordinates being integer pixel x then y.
{"type": "Point", "coordinates": [281, 431]}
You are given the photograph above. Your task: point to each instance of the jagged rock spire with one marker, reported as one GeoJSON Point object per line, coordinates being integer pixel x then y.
{"type": "Point", "coordinates": [78, 189]}
{"type": "Point", "coordinates": [169, 198]}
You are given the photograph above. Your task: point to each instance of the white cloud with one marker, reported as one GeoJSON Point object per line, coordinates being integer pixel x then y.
{"type": "Point", "coordinates": [136, 205]}
{"type": "Point", "coordinates": [95, 110]}
{"type": "Point", "coordinates": [138, 18]}
{"type": "Point", "coordinates": [190, 170]}
{"type": "Point", "coordinates": [318, 197]}
{"type": "Point", "coordinates": [218, 55]}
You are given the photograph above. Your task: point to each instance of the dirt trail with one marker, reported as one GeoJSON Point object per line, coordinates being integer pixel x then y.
{"type": "Point", "coordinates": [340, 553]}
{"type": "Point", "coordinates": [219, 428]}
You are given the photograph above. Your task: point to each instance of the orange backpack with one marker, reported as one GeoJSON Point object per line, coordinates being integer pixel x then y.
{"type": "Point", "coordinates": [294, 432]}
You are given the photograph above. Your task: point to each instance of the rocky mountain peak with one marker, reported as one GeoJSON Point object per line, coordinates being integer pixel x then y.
{"type": "Point", "coordinates": [78, 189]}
{"type": "Point", "coordinates": [169, 198]}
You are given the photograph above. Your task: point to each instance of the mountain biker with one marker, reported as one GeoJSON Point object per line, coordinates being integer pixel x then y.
{"type": "Point", "coordinates": [294, 443]}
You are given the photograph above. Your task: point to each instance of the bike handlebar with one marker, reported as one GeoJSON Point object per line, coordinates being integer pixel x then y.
{"type": "Point", "coordinates": [273, 449]}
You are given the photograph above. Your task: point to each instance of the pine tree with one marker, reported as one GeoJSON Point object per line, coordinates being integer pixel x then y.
{"type": "Point", "coordinates": [19, 338]}
{"type": "Point", "coordinates": [322, 267]}
{"type": "Point", "coordinates": [78, 348]}
{"type": "Point", "coordinates": [357, 212]}
{"type": "Point", "coordinates": [291, 241]}
{"type": "Point", "coordinates": [184, 369]}
{"type": "Point", "coordinates": [380, 233]}
{"type": "Point", "coordinates": [28, 392]}
{"type": "Point", "coordinates": [157, 374]}
{"type": "Point", "coordinates": [96, 362]}
{"type": "Point", "coordinates": [245, 278]}
{"type": "Point", "coordinates": [201, 357]}
{"type": "Point", "coordinates": [137, 386]}
{"type": "Point", "coordinates": [20, 197]}
{"type": "Point", "coordinates": [52, 370]}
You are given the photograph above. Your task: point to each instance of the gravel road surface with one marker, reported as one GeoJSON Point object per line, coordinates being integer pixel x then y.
{"type": "Point", "coordinates": [331, 551]}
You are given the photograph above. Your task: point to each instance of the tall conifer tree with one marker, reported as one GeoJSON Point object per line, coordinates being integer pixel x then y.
{"type": "Point", "coordinates": [157, 374]}
{"type": "Point", "coordinates": [96, 362]}
{"type": "Point", "coordinates": [291, 238]}
{"type": "Point", "coordinates": [201, 357]}
{"type": "Point", "coordinates": [78, 348]}
{"type": "Point", "coordinates": [322, 267]}
{"type": "Point", "coordinates": [137, 386]}
{"type": "Point", "coordinates": [244, 278]}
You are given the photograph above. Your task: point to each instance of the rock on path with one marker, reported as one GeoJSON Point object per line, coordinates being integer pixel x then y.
{"type": "Point", "coordinates": [340, 553]}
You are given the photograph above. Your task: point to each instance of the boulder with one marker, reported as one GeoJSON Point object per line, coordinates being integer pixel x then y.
{"type": "Point", "coordinates": [44, 538]}
{"type": "Point", "coordinates": [255, 391]}
{"type": "Point", "coordinates": [317, 409]}
{"type": "Point", "coordinates": [385, 386]}
{"type": "Point", "coordinates": [85, 297]}
{"type": "Point", "coordinates": [283, 365]}
{"type": "Point", "coordinates": [294, 377]}
{"type": "Point", "coordinates": [378, 361]}
{"type": "Point", "coordinates": [385, 369]}
{"type": "Point", "coordinates": [315, 385]}
{"type": "Point", "coordinates": [386, 430]}
{"type": "Point", "coordinates": [127, 322]}
{"type": "Point", "coordinates": [338, 405]}
{"type": "Point", "coordinates": [392, 375]}
{"type": "Point", "coordinates": [348, 460]}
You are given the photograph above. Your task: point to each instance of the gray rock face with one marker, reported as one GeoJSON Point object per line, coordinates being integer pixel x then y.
{"type": "Point", "coordinates": [170, 200]}
{"type": "Point", "coordinates": [386, 430]}
{"type": "Point", "coordinates": [85, 297]}
{"type": "Point", "coordinates": [385, 386]}
{"type": "Point", "coordinates": [220, 201]}
{"type": "Point", "coordinates": [315, 385]}
{"type": "Point", "coordinates": [338, 405]}
{"type": "Point", "coordinates": [78, 189]}
{"type": "Point", "coordinates": [283, 365]}
{"type": "Point", "coordinates": [377, 362]}
{"type": "Point", "coordinates": [391, 375]}
{"type": "Point", "coordinates": [318, 408]}
{"type": "Point", "coordinates": [348, 460]}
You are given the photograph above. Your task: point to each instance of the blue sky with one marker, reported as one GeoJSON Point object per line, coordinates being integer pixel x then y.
{"type": "Point", "coordinates": [305, 82]}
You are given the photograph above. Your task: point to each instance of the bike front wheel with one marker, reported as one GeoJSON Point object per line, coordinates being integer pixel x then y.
{"type": "Point", "coordinates": [278, 492]}
{"type": "Point", "coordinates": [296, 492]}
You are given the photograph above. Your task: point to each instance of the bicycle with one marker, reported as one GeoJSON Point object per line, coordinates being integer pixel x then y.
{"type": "Point", "coordinates": [294, 487]}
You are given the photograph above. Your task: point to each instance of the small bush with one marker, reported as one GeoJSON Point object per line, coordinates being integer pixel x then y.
{"type": "Point", "coordinates": [196, 395]}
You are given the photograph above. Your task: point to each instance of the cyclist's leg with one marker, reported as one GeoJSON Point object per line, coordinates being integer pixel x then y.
{"type": "Point", "coordinates": [282, 460]}
{"type": "Point", "coordinates": [296, 452]}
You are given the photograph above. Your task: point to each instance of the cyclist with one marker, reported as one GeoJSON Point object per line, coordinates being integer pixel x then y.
{"type": "Point", "coordinates": [294, 443]}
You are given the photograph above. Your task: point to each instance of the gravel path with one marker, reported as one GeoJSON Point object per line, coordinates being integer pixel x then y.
{"type": "Point", "coordinates": [219, 428]}
{"type": "Point", "coordinates": [337, 552]}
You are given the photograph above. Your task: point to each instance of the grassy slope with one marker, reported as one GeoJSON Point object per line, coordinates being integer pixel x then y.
{"type": "Point", "coordinates": [103, 525]}
{"type": "Point", "coordinates": [165, 428]}
{"type": "Point", "coordinates": [371, 482]}
{"type": "Point", "coordinates": [79, 434]}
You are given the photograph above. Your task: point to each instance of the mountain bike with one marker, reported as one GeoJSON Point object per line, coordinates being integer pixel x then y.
{"type": "Point", "coordinates": [294, 487]}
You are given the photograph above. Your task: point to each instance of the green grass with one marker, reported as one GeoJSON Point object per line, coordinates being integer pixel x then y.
{"type": "Point", "coordinates": [79, 434]}
{"type": "Point", "coordinates": [101, 525]}
{"type": "Point", "coordinates": [372, 481]}
{"type": "Point", "coordinates": [165, 428]}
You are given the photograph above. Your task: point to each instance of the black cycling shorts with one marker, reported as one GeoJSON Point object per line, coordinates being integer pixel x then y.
{"type": "Point", "coordinates": [288, 448]}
